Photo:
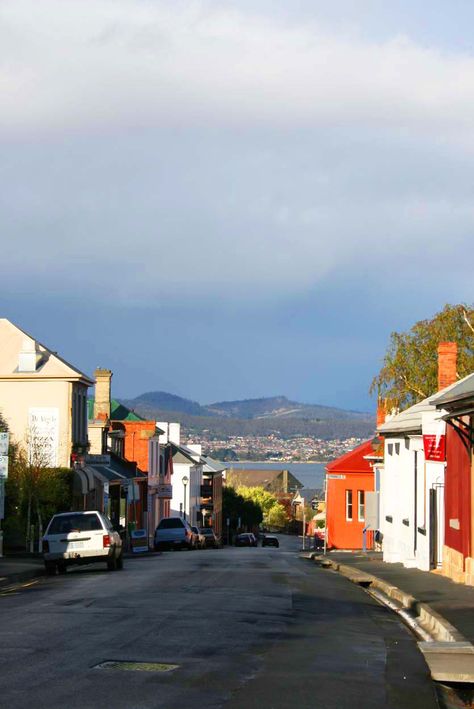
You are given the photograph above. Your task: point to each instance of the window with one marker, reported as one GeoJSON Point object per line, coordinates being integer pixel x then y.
{"type": "Point", "coordinates": [390, 448]}
{"type": "Point", "coordinates": [397, 448]}
{"type": "Point", "coordinates": [361, 505]}
{"type": "Point", "coordinates": [171, 523]}
{"type": "Point", "coordinates": [79, 522]}
{"type": "Point", "coordinates": [349, 505]}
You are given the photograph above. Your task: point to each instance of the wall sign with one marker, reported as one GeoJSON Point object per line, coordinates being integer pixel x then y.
{"type": "Point", "coordinates": [434, 447]}
{"type": "Point", "coordinates": [43, 436]}
{"type": "Point", "coordinates": [164, 491]}
{"type": "Point", "coordinates": [4, 440]}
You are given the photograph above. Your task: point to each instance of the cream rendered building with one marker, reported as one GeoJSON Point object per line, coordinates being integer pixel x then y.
{"type": "Point", "coordinates": [42, 398]}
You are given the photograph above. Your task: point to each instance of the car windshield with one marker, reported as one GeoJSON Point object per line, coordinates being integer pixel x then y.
{"type": "Point", "coordinates": [195, 530]}
{"type": "Point", "coordinates": [207, 532]}
{"type": "Point", "coordinates": [64, 524]}
{"type": "Point", "coordinates": [170, 523]}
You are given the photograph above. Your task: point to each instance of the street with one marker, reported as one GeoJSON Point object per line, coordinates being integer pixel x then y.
{"type": "Point", "coordinates": [247, 627]}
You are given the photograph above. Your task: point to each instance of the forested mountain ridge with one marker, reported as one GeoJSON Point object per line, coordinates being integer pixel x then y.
{"type": "Point", "coordinates": [266, 407]}
{"type": "Point", "coordinates": [258, 417]}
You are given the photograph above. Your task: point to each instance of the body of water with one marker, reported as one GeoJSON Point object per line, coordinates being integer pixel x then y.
{"type": "Point", "coordinates": [310, 475]}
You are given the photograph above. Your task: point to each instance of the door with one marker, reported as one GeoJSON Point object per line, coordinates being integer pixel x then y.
{"type": "Point", "coordinates": [434, 522]}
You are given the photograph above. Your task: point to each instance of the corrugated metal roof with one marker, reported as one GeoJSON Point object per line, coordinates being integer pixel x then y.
{"type": "Point", "coordinates": [464, 389]}
{"type": "Point", "coordinates": [213, 466]}
{"type": "Point", "coordinates": [409, 421]}
{"type": "Point", "coordinates": [118, 412]}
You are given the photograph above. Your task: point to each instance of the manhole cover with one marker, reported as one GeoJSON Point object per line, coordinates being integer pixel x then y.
{"type": "Point", "coordinates": [136, 666]}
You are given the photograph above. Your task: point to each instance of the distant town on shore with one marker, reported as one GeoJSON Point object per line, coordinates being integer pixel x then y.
{"type": "Point", "coordinates": [271, 429]}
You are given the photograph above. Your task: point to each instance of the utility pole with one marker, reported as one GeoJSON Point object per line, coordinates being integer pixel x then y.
{"type": "Point", "coordinates": [304, 527]}
{"type": "Point", "coordinates": [4, 443]}
{"type": "Point", "coordinates": [326, 513]}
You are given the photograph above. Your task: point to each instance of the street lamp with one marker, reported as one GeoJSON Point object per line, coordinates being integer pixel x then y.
{"type": "Point", "coordinates": [185, 481]}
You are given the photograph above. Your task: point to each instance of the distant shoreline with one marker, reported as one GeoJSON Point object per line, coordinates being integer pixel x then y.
{"type": "Point", "coordinates": [230, 463]}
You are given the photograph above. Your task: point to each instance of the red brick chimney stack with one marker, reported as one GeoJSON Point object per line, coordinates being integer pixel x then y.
{"type": "Point", "coordinates": [447, 358]}
{"type": "Point", "coordinates": [381, 412]}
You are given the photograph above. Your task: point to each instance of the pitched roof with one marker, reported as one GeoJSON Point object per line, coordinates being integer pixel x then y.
{"type": "Point", "coordinates": [260, 478]}
{"type": "Point", "coordinates": [462, 391]}
{"type": "Point", "coordinates": [49, 364]}
{"type": "Point", "coordinates": [213, 466]}
{"type": "Point", "coordinates": [354, 461]}
{"type": "Point", "coordinates": [410, 420]}
{"type": "Point", "coordinates": [118, 412]}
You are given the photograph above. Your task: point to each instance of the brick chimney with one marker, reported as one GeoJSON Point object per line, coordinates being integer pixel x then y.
{"type": "Point", "coordinates": [381, 412]}
{"type": "Point", "coordinates": [103, 379]}
{"type": "Point", "coordinates": [447, 358]}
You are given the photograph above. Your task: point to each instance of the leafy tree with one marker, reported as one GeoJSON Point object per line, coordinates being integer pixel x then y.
{"type": "Point", "coordinates": [273, 513]}
{"type": "Point", "coordinates": [234, 506]}
{"type": "Point", "coordinates": [3, 424]}
{"type": "Point", "coordinates": [276, 516]}
{"type": "Point", "coordinates": [265, 500]}
{"type": "Point", "coordinates": [410, 366]}
{"type": "Point", "coordinates": [33, 489]}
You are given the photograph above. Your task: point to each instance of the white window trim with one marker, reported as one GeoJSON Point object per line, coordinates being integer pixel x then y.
{"type": "Point", "coordinates": [349, 492]}
{"type": "Point", "coordinates": [360, 517]}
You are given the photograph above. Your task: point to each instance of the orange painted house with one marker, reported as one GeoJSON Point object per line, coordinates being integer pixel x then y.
{"type": "Point", "coordinates": [348, 479]}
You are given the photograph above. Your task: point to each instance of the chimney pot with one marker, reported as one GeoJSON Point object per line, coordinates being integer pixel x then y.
{"type": "Point", "coordinates": [447, 360]}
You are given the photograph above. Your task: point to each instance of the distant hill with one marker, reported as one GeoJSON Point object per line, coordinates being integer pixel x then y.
{"type": "Point", "coordinates": [268, 407]}
{"type": "Point", "coordinates": [259, 417]}
{"type": "Point", "coordinates": [162, 401]}
{"type": "Point", "coordinates": [278, 406]}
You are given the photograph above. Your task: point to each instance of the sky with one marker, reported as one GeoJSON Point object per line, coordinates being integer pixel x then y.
{"type": "Point", "coordinates": [234, 199]}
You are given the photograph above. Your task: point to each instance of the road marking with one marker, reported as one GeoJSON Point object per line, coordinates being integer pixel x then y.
{"type": "Point", "coordinates": [10, 590]}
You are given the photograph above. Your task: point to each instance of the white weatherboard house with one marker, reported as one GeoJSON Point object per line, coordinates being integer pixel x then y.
{"type": "Point", "coordinates": [412, 486]}
{"type": "Point", "coordinates": [42, 397]}
{"type": "Point", "coordinates": [188, 466]}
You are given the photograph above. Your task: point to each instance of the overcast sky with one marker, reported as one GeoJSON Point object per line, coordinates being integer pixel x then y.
{"type": "Point", "coordinates": [234, 199]}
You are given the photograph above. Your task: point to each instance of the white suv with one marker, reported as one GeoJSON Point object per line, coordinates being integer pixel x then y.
{"type": "Point", "coordinates": [81, 538]}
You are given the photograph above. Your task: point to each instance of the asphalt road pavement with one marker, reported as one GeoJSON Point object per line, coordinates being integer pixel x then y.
{"type": "Point", "coordinates": [246, 628]}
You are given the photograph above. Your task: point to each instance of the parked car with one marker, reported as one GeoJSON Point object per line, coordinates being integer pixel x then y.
{"type": "Point", "coordinates": [81, 538]}
{"type": "Point", "coordinates": [210, 538]}
{"type": "Point", "coordinates": [246, 539]}
{"type": "Point", "coordinates": [199, 539]}
{"type": "Point", "coordinates": [174, 533]}
{"type": "Point", "coordinates": [269, 540]}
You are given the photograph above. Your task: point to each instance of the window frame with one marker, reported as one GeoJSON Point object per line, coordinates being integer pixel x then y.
{"type": "Point", "coordinates": [361, 504]}
{"type": "Point", "coordinates": [349, 499]}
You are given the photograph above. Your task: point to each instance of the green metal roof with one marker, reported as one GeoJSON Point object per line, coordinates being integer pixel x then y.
{"type": "Point", "coordinates": [118, 412]}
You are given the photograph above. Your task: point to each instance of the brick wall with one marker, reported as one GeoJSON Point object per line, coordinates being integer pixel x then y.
{"type": "Point", "coordinates": [137, 435]}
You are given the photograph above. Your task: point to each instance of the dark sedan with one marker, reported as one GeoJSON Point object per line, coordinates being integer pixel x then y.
{"type": "Point", "coordinates": [246, 539]}
{"type": "Point", "coordinates": [270, 541]}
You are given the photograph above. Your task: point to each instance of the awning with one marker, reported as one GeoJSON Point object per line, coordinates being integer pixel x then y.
{"type": "Point", "coordinates": [84, 480]}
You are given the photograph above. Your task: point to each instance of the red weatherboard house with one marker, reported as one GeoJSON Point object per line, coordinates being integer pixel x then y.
{"type": "Point", "coordinates": [345, 509]}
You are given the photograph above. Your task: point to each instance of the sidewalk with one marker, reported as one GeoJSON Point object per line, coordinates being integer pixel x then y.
{"type": "Point", "coordinates": [15, 569]}
{"type": "Point", "coordinates": [453, 601]}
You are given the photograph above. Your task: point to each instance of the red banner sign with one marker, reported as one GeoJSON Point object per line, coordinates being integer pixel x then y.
{"type": "Point", "coordinates": [435, 447]}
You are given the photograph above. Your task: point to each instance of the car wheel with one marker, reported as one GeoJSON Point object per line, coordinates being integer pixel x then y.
{"type": "Point", "coordinates": [112, 564]}
{"type": "Point", "coordinates": [50, 568]}
{"type": "Point", "coordinates": [120, 562]}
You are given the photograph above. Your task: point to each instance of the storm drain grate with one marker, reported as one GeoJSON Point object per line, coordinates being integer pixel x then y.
{"type": "Point", "coordinates": [136, 666]}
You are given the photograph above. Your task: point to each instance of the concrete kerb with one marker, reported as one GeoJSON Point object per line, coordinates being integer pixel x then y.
{"type": "Point", "coordinates": [437, 627]}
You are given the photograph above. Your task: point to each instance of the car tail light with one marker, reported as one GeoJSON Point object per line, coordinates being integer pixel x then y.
{"type": "Point", "coordinates": [45, 546]}
{"type": "Point", "coordinates": [106, 541]}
